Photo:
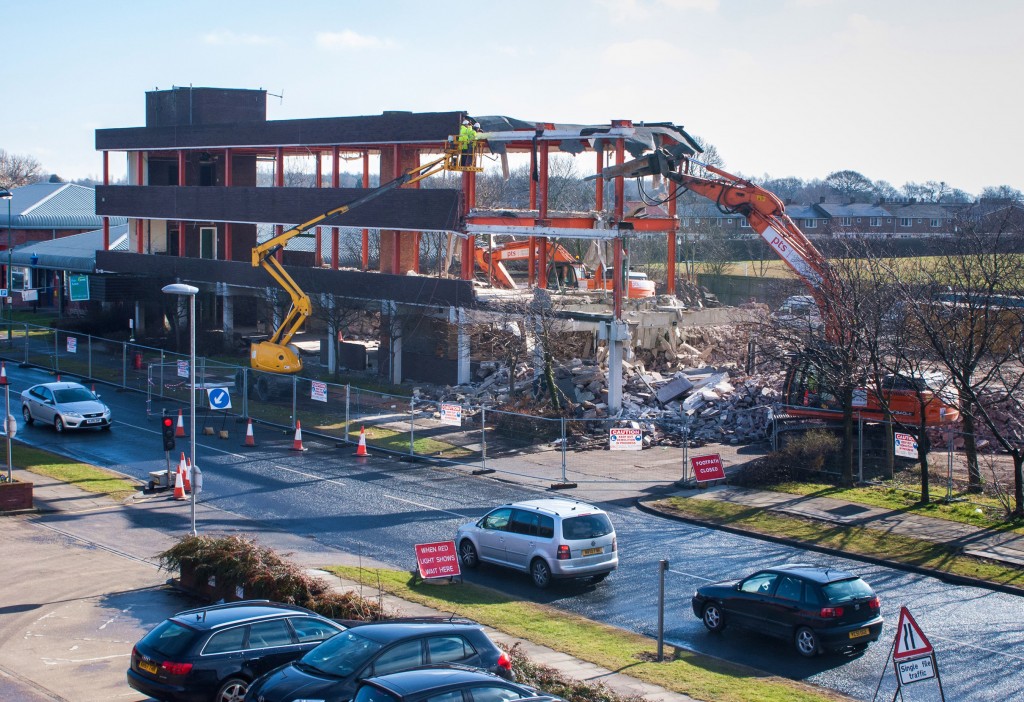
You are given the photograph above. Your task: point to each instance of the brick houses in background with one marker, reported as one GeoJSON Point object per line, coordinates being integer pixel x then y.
{"type": "Point", "coordinates": [884, 220]}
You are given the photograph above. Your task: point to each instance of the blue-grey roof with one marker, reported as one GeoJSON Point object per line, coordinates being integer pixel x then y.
{"type": "Point", "coordinates": [75, 253]}
{"type": "Point", "coordinates": [856, 209]}
{"type": "Point", "coordinates": [54, 206]}
{"type": "Point", "coordinates": [804, 212]}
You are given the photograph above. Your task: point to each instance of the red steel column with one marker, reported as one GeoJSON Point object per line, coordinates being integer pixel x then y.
{"type": "Point", "coordinates": [139, 178]}
{"type": "Point", "coordinates": [396, 250]}
{"type": "Point", "coordinates": [106, 220]}
{"type": "Point", "coordinates": [366, 232]}
{"type": "Point", "coordinates": [542, 273]}
{"type": "Point", "coordinates": [181, 184]}
{"type": "Point", "coordinates": [319, 183]}
{"type": "Point", "coordinates": [229, 180]}
{"type": "Point", "coordinates": [670, 264]}
{"type": "Point", "coordinates": [279, 183]}
{"type": "Point", "coordinates": [531, 259]}
{"type": "Point", "coordinates": [620, 187]}
{"type": "Point", "coordinates": [335, 183]}
{"type": "Point", "coordinates": [599, 183]}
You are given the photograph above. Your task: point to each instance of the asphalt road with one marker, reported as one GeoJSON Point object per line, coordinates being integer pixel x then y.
{"type": "Point", "coordinates": [379, 508]}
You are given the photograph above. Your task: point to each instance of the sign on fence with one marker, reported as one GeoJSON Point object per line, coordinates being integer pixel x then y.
{"type": "Point", "coordinates": [319, 391]}
{"type": "Point", "coordinates": [72, 345]}
{"type": "Point", "coordinates": [451, 414]}
{"type": "Point", "coordinates": [906, 445]}
{"type": "Point", "coordinates": [182, 369]}
{"type": "Point", "coordinates": [437, 560]}
{"type": "Point", "coordinates": [860, 397]}
{"type": "Point", "coordinates": [79, 287]}
{"type": "Point", "coordinates": [625, 439]}
{"type": "Point", "coordinates": [708, 467]}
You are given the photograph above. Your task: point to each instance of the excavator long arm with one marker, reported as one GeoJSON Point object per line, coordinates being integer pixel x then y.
{"type": "Point", "coordinates": [274, 354]}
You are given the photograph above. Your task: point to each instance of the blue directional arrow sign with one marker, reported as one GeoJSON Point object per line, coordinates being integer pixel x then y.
{"type": "Point", "coordinates": [220, 398]}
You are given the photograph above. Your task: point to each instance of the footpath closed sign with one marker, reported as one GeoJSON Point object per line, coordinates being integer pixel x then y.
{"type": "Point", "coordinates": [625, 439]}
{"type": "Point", "coordinates": [708, 467]}
{"type": "Point", "coordinates": [437, 560]}
{"type": "Point", "coordinates": [905, 445]}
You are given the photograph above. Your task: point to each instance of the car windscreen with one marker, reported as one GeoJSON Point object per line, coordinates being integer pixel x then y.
{"type": "Point", "coordinates": [341, 655]}
{"type": "Point", "coordinates": [169, 639]}
{"type": "Point", "coordinates": [847, 590]}
{"type": "Point", "coordinates": [73, 395]}
{"type": "Point", "coordinates": [586, 526]}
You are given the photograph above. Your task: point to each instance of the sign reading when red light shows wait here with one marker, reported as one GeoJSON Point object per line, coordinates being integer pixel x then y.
{"type": "Point", "coordinates": [708, 467]}
{"type": "Point", "coordinates": [437, 560]}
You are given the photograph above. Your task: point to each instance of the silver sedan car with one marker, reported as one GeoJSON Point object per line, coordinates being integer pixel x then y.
{"type": "Point", "coordinates": [64, 406]}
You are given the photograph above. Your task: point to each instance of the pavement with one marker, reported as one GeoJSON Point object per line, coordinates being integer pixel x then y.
{"type": "Point", "coordinates": [75, 594]}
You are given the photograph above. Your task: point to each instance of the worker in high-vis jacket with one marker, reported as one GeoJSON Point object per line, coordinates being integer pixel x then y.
{"type": "Point", "coordinates": [467, 137]}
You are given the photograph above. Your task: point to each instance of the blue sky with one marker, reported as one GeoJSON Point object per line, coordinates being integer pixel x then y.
{"type": "Point", "coordinates": [900, 90]}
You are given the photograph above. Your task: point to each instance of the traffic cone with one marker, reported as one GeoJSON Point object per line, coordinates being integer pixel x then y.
{"type": "Point", "coordinates": [58, 377]}
{"type": "Point", "coordinates": [361, 448]}
{"type": "Point", "coordinates": [250, 440]}
{"type": "Point", "coordinates": [180, 431]}
{"type": "Point", "coordinates": [3, 373]}
{"type": "Point", "coordinates": [186, 471]}
{"type": "Point", "coordinates": [179, 486]}
{"type": "Point", "coordinates": [297, 444]}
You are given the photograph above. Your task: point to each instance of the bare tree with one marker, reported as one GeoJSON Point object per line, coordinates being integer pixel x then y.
{"type": "Point", "coordinates": [850, 184]}
{"type": "Point", "coordinates": [17, 170]}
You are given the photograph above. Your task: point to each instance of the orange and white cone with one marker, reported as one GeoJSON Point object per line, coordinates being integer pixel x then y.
{"type": "Point", "coordinates": [180, 431]}
{"type": "Point", "coordinates": [3, 373]}
{"type": "Point", "coordinates": [361, 448]}
{"type": "Point", "coordinates": [250, 440]}
{"type": "Point", "coordinates": [179, 486]}
{"type": "Point", "coordinates": [297, 444]}
{"type": "Point", "coordinates": [187, 472]}
{"type": "Point", "coordinates": [181, 469]}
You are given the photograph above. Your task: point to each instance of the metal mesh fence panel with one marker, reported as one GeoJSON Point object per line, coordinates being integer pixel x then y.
{"type": "Point", "coordinates": [447, 431]}
{"type": "Point", "coordinates": [39, 347]}
{"type": "Point", "coordinates": [268, 396]}
{"type": "Point", "coordinates": [320, 406]}
{"type": "Point", "coordinates": [386, 419]}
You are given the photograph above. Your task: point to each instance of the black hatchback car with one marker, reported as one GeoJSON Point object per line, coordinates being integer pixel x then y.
{"type": "Point", "coordinates": [444, 684]}
{"type": "Point", "coordinates": [332, 670]}
{"type": "Point", "coordinates": [211, 654]}
{"type": "Point", "coordinates": [816, 608]}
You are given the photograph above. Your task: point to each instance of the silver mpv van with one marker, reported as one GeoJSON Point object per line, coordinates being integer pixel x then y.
{"type": "Point", "coordinates": [549, 539]}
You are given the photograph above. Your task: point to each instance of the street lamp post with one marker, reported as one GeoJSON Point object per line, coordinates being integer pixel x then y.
{"type": "Point", "coordinates": [6, 194]}
{"type": "Point", "coordinates": [197, 474]}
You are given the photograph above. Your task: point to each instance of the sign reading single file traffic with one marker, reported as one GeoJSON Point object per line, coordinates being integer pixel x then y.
{"type": "Point", "coordinates": [915, 670]}
{"type": "Point", "coordinates": [437, 560]}
{"type": "Point", "coordinates": [707, 467]}
{"type": "Point", "coordinates": [625, 439]}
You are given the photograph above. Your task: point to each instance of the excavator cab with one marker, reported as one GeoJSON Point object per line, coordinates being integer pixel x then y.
{"type": "Point", "coordinates": [268, 356]}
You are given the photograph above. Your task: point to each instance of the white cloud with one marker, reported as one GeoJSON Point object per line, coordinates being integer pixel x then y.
{"type": "Point", "coordinates": [347, 39]}
{"type": "Point", "coordinates": [623, 10]}
{"type": "Point", "coordinates": [229, 38]}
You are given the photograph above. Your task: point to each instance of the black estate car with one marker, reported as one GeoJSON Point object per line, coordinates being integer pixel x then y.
{"type": "Point", "coordinates": [211, 654]}
{"type": "Point", "coordinates": [332, 670]}
{"type": "Point", "coordinates": [447, 683]}
{"type": "Point", "coordinates": [816, 608]}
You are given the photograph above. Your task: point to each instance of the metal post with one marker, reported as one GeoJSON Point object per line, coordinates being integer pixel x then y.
{"type": "Point", "coordinates": [348, 429]}
{"type": "Point", "coordinates": [686, 450]}
{"type": "Point", "coordinates": [662, 567]}
{"type": "Point", "coordinates": [860, 449]}
{"type": "Point", "coordinates": [56, 350]}
{"type": "Point", "coordinates": [197, 475]}
{"type": "Point", "coordinates": [26, 343]}
{"type": "Point", "coordinates": [88, 346]}
{"type": "Point", "coordinates": [245, 392]}
{"type": "Point", "coordinates": [412, 426]}
{"type": "Point", "coordinates": [564, 479]}
{"type": "Point", "coordinates": [7, 431]}
{"type": "Point", "coordinates": [295, 401]}
{"type": "Point", "coordinates": [483, 436]}
{"type": "Point", "coordinates": [124, 365]}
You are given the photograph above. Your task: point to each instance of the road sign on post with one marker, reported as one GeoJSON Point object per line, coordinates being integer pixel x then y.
{"type": "Point", "coordinates": [910, 640]}
{"type": "Point", "coordinates": [437, 560]}
{"type": "Point", "coordinates": [220, 398]}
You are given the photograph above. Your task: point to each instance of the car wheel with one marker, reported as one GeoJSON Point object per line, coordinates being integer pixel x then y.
{"type": "Point", "coordinates": [807, 642]}
{"type": "Point", "coordinates": [540, 571]}
{"type": "Point", "coordinates": [233, 690]}
{"type": "Point", "coordinates": [27, 414]}
{"type": "Point", "coordinates": [467, 554]}
{"type": "Point", "coordinates": [713, 617]}
{"type": "Point", "coordinates": [58, 424]}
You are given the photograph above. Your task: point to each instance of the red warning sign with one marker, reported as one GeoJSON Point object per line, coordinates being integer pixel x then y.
{"type": "Point", "coordinates": [910, 640]}
{"type": "Point", "coordinates": [437, 560]}
{"type": "Point", "coordinates": [707, 467]}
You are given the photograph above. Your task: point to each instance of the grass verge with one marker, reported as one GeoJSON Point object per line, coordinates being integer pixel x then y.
{"type": "Point", "coordinates": [980, 511]}
{"type": "Point", "coordinates": [701, 677]}
{"type": "Point", "coordinates": [860, 540]}
{"type": "Point", "coordinates": [384, 438]}
{"type": "Point", "coordinates": [89, 478]}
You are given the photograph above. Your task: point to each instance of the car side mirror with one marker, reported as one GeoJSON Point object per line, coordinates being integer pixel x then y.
{"type": "Point", "coordinates": [737, 586]}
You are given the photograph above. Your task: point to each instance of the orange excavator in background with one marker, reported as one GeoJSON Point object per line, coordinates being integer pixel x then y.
{"type": "Point", "coordinates": [806, 392]}
{"type": "Point", "coordinates": [565, 271]}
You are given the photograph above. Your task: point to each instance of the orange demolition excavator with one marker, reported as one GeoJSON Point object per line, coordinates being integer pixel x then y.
{"type": "Point", "coordinates": [806, 390]}
{"type": "Point", "coordinates": [565, 271]}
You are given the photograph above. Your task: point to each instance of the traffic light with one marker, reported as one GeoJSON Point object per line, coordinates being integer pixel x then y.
{"type": "Point", "coordinates": [168, 428]}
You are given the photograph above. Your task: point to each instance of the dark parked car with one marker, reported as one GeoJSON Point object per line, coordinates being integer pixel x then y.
{"type": "Point", "coordinates": [816, 608]}
{"type": "Point", "coordinates": [213, 653]}
{"type": "Point", "coordinates": [443, 684]}
{"type": "Point", "coordinates": [332, 670]}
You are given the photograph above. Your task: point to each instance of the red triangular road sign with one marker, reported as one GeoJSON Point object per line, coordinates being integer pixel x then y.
{"type": "Point", "coordinates": [910, 640]}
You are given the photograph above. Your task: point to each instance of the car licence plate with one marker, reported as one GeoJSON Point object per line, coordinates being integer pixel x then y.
{"type": "Point", "coordinates": [93, 421]}
{"type": "Point", "coordinates": [148, 667]}
{"type": "Point", "coordinates": [857, 633]}
{"type": "Point", "coordinates": [592, 551]}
